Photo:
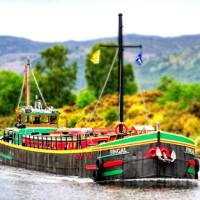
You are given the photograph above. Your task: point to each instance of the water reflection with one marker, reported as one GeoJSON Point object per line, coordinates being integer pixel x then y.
{"type": "Point", "coordinates": [23, 184]}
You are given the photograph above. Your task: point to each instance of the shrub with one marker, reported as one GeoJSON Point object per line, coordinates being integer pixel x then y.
{"type": "Point", "coordinates": [7, 121]}
{"type": "Point", "coordinates": [73, 121]}
{"type": "Point", "coordinates": [111, 114]}
{"type": "Point", "coordinates": [195, 109]}
{"type": "Point", "coordinates": [85, 97]}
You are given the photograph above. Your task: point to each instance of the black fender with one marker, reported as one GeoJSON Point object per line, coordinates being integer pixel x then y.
{"type": "Point", "coordinates": [97, 174]}
{"type": "Point", "coordinates": [196, 167]}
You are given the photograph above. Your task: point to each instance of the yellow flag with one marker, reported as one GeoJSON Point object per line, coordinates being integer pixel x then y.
{"type": "Point", "coordinates": [94, 58]}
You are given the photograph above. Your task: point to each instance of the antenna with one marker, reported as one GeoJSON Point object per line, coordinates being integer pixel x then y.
{"type": "Point", "coordinates": [27, 87]}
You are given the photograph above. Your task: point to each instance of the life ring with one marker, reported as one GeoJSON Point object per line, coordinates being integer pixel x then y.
{"type": "Point", "coordinates": [134, 131]}
{"type": "Point", "coordinates": [166, 151]}
{"type": "Point", "coordinates": [151, 152]}
{"type": "Point", "coordinates": [125, 128]}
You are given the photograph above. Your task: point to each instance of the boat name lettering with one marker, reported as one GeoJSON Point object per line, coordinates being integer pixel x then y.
{"type": "Point", "coordinates": [189, 150]}
{"type": "Point", "coordinates": [81, 156]}
{"type": "Point", "coordinates": [118, 151]}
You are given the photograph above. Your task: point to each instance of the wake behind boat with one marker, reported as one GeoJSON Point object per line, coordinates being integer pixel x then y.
{"type": "Point", "coordinates": [106, 155]}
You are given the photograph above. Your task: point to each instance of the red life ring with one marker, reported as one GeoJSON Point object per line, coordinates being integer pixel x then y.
{"type": "Point", "coordinates": [166, 151]}
{"type": "Point", "coordinates": [125, 128]}
{"type": "Point", "coordinates": [151, 152]}
{"type": "Point", "coordinates": [134, 131]}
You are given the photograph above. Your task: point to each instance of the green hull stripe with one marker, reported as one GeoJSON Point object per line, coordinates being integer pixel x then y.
{"type": "Point", "coordinates": [112, 155]}
{"type": "Point", "coordinates": [6, 156]}
{"type": "Point", "coordinates": [189, 153]}
{"type": "Point", "coordinates": [28, 131]}
{"type": "Point", "coordinates": [150, 136]}
{"type": "Point", "coordinates": [113, 173]}
{"type": "Point", "coordinates": [131, 139]}
{"type": "Point", "coordinates": [177, 138]}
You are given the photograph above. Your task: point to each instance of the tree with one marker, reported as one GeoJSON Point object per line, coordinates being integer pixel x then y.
{"type": "Point", "coordinates": [183, 93]}
{"type": "Point", "coordinates": [10, 85]}
{"type": "Point", "coordinates": [55, 78]}
{"type": "Point", "coordinates": [96, 74]}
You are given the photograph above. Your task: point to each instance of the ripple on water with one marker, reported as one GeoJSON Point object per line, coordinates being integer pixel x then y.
{"type": "Point", "coordinates": [21, 184]}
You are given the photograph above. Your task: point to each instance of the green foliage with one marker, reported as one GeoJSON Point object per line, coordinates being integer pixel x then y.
{"type": "Point", "coordinates": [56, 79]}
{"type": "Point", "coordinates": [10, 84]}
{"type": "Point", "coordinates": [7, 121]}
{"type": "Point", "coordinates": [111, 114]}
{"type": "Point", "coordinates": [165, 82]}
{"type": "Point", "coordinates": [85, 97]}
{"type": "Point", "coordinates": [184, 94]}
{"type": "Point", "coordinates": [96, 74]}
{"type": "Point", "coordinates": [73, 121]}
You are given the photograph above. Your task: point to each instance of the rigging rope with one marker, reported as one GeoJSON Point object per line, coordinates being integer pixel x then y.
{"type": "Point", "coordinates": [39, 89]}
{"type": "Point", "coordinates": [22, 88]}
{"type": "Point", "coordinates": [145, 107]}
{"type": "Point", "coordinates": [111, 67]}
{"type": "Point", "coordinates": [143, 101]}
{"type": "Point", "coordinates": [21, 93]}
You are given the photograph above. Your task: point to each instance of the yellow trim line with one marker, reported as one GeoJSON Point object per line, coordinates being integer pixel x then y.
{"type": "Point", "coordinates": [177, 143]}
{"type": "Point", "coordinates": [86, 150]}
{"type": "Point", "coordinates": [92, 149]}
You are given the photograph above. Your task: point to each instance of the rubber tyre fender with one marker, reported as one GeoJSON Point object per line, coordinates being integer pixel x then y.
{"type": "Point", "coordinates": [99, 163]}
{"type": "Point", "coordinates": [196, 165]}
{"type": "Point", "coordinates": [196, 168]}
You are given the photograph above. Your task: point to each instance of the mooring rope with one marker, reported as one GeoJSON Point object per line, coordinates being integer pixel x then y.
{"type": "Point", "coordinates": [105, 83]}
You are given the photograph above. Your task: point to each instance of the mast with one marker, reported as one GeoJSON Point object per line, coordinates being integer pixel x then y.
{"type": "Point", "coordinates": [27, 88]}
{"type": "Point", "coordinates": [120, 70]}
{"type": "Point", "coordinates": [121, 47]}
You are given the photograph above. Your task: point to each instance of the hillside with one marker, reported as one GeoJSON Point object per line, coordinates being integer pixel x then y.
{"type": "Point", "coordinates": [183, 65]}
{"type": "Point", "coordinates": [177, 56]}
{"type": "Point", "coordinates": [170, 116]}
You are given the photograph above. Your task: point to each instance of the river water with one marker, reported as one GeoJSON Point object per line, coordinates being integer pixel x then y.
{"type": "Point", "coordinates": [21, 184]}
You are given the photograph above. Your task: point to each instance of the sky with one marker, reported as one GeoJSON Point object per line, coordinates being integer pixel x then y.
{"type": "Point", "coordinates": [62, 20]}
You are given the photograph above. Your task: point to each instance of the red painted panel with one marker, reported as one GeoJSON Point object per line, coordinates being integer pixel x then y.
{"type": "Point", "coordinates": [90, 167]}
{"type": "Point", "coordinates": [113, 163]}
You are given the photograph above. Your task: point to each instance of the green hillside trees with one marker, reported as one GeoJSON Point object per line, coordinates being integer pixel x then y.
{"type": "Point", "coordinates": [96, 74]}
{"type": "Point", "coordinates": [185, 94]}
{"type": "Point", "coordinates": [56, 78]}
{"type": "Point", "coordinates": [10, 84]}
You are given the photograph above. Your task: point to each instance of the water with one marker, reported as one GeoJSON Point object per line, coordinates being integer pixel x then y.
{"type": "Point", "coordinates": [21, 184]}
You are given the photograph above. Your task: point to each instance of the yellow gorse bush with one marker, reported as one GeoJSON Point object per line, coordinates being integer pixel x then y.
{"type": "Point", "coordinates": [170, 117]}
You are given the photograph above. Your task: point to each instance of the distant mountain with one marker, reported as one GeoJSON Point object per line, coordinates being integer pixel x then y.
{"type": "Point", "coordinates": [184, 65]}
{"type": "Point", "coordinates": [176, 56]}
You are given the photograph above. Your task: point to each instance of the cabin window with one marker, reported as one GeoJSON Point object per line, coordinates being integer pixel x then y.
{"type": "Point", "coordinates": [36, 120]}
{"type": "Point", "coordinates": [52, 119]}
